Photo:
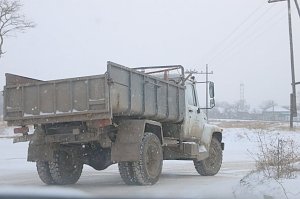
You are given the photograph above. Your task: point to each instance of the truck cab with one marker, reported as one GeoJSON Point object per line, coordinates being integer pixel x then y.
{"type": "Point", "coordinates": [196, 119]}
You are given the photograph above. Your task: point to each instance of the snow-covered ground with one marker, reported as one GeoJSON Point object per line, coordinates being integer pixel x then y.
{"type": "Point", "coordinates": [178, 180]}
{"type": "Point", "coordinates": [244, 146]}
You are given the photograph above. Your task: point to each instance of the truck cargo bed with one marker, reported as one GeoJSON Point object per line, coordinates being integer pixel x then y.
{"type": "Point", "coordinates": [121, 92]}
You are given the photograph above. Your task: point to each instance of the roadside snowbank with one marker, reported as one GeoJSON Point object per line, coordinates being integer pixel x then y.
{"type": "Point", "coordinates": [255, 184]}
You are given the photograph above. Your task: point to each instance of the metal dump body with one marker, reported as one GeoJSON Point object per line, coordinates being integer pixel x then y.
{"type": "Point", "coordinates": [137, 94]}
{"type": "Point", "coordinates": [36, 102]}
{"type": "Point", "coordinates": [121, 92]}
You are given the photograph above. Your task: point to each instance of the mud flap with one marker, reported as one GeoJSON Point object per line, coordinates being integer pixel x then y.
{"type": "Point", "coordinates": [129, 136]}
{"type": "Point", "coordinates": [43, 152]}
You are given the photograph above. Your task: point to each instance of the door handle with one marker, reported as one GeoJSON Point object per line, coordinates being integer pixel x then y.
{"type": "Point", "coordinates": [190, 110]}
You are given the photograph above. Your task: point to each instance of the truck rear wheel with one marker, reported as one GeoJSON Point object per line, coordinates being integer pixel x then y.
{"type": "Point", "coordinates": [148, 168]}
{"type": "Point", "coordinates": [126, 172]}
{"type": "Point", "coordinates": [65, 169]}
{"type": "Point", "coordinates": [44, 172]}
{"type": "Point", "coordinates": [211, 165]}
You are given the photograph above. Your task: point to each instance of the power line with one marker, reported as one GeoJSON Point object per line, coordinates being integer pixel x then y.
{"type": "Point", "coordinates": [245, 30]}
{"type": "Point", "coordinates": [253, 36]}
{"type": "Point", "coordinates": [251, 41]}
{"type": "Point", "coordinates": [236, 29]}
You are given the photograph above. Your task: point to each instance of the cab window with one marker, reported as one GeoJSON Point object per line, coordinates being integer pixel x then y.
{"type": "Point", "coordinates": [191, 97]}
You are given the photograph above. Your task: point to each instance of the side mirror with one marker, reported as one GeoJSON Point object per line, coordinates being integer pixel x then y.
{"type": "Point", "coordinates": [212, 103]}
{"type": "Point", "coordinates": [211, 90]}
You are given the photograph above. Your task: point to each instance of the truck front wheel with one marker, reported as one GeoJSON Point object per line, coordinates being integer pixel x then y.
{"type": "Point", "coordinates": [148, 169]}
{"type": "Point", "coordinates": [211, 165]}
{"type": "Point", "coordinates": [65, 169]}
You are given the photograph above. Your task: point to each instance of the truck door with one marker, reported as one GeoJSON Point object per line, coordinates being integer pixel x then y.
{"type": "Point", "coordinates": [194, 129]}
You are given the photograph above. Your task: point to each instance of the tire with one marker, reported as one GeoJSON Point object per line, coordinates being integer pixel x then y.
{"type": "Point", "coordinates": [65, 169]}
{"type": "Point", "coordinates": [44, 172]}
{"type": "Point", "coordinates": [126, 173]}
{"type": "Point", "coordinates": [148, 168]}
{"type": "Point", "coordinates": [211, 165]}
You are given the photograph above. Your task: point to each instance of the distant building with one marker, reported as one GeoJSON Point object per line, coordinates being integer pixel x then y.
{"type": "Point", "coordinates": [276, 113]}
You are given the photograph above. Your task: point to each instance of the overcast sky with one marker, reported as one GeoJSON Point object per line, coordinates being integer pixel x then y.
{"type": "Point", "coordinates": [243, 41]}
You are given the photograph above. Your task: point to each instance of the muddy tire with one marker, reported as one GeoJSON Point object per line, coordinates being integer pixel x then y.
{"type": "Point", "coordinates": [148, 168]}
{"type": "Point", "coordinates": [44, 172]}
{"type": "Point", "coordinates": [65, 169]}
{"type": "Point", "coordinates": [126, 173]}
{"type": "Point", "coordinates": [211, 165]}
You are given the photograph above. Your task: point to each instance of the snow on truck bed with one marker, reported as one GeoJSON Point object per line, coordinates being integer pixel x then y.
{"type": "Point", "coordinates": [177, 175]}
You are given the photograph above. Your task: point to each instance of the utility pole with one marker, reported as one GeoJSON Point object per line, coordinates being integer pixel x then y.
{"type": "Point", "coordinates": [242, 96]}
{"type": "Point", "coordinates": [293, 108]}
{"type": "Point", "coordinates": [206, 73]}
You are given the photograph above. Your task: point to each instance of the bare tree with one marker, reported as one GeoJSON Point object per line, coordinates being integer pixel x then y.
{"type": "Point", "coordinates": [241, 106]}
{"type": "Point", "coordinates": [11, 21]}
{"type": "Point", "coordinates": [268, 104]}
{"type": "Point", "coordinates": [276, 156]}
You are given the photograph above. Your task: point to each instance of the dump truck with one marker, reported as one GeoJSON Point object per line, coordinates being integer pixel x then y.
{"type": "Point", "coordinates": [135, 117]}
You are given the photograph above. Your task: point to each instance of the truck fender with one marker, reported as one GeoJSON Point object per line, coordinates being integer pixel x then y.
{"type": "Point", "coordinates": [129, 136]}
{"type": "Point", "coordinates": [209, 132]}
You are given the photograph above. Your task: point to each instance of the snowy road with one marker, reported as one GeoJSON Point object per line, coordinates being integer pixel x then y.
{"type": "Point", "coordinates": [178, 179]}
